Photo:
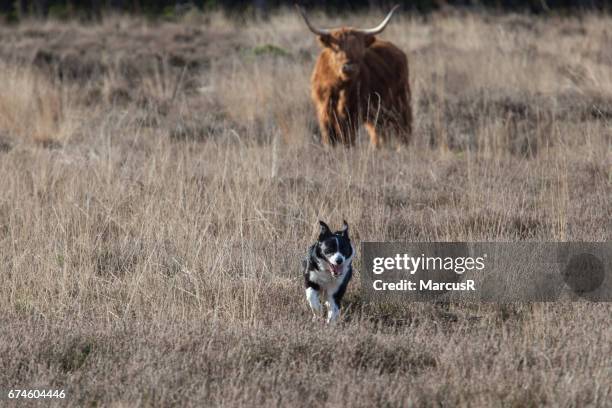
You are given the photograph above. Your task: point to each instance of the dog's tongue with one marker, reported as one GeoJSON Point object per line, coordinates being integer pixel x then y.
{"type": "Point", "coordinates": [335, 269]}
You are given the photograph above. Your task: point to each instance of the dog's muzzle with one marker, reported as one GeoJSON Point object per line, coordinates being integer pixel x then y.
{"type": "Point", "coordinates": [336, 270]}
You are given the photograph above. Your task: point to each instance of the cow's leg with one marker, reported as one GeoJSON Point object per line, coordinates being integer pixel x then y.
{"type": "Point", "coordinates": [325, 107]}
{"type": "Point", "coordinates": [375, 140]}
{"type": "Point", "coordinates": [375, 122]}
{"type": "Point", "coordinates": [344, 129]}
{"type": "Point", "coordinates": [347, 132]}
{"type": "Point", "coordinates": [347, 120]}
{"type": "Point", "coordinates": [353, 127]}
{"type": "Point", "coordinates": [328, 134]}
{"type": "Point", "coordinates": [325, 127]}
{"type": "Point", "coordinates": [404, 122]}
{"type": "Point", "coordinates": [339, 130]}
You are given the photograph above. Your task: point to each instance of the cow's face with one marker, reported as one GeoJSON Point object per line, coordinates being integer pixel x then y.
{"type": "Point", "coordinates": [347, 48]}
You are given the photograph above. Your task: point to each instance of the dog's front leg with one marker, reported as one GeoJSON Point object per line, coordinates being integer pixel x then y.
{"type": "Point", "coordinates": [312, 296]}
{"type": "Point", "coordinates": [333, 311]}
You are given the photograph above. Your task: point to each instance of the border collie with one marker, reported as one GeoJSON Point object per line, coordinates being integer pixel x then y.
{"type": "Point", "coordinates": [327, 270]}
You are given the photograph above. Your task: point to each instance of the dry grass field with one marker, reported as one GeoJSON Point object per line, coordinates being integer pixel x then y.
{"type": "Point", "coordinates": [159, 184]}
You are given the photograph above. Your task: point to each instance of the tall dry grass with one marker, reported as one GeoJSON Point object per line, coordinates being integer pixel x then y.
{"type": "Point", "coordinates": [151, 255]}
{"type": "Point", "coordinates": [31, 107]}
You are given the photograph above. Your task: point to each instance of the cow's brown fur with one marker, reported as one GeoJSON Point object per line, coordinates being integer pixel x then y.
{"type": "Point", "coordinates": [375, 91]}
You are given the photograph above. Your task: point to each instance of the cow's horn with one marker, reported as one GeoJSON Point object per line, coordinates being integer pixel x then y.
{"type": "Point", "coordinates": [317, 31]}
{"type": "Point", "coordinates": [381, 26]}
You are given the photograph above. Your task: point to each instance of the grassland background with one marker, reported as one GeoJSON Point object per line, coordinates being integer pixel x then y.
{"type": "Point", "coordinates": [159, 184]}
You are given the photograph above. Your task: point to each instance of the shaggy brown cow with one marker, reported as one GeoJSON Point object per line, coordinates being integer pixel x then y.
{"type": "Point", "coordinates": [360, 79]}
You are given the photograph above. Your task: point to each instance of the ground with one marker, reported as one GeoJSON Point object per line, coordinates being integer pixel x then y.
{"type": "Point", "coordinates": [161, 182]}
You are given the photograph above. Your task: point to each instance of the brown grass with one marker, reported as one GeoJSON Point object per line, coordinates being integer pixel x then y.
{"type": "Point", "coordinates": [161, 183]}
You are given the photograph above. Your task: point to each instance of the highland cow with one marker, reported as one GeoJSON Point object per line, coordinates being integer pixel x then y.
{"type": "Point", "coordinates": [360, 79]}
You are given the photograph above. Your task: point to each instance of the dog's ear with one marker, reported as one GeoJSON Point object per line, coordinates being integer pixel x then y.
{"type": "Point", "coordinates": [324, 232]}
{"type": "Point", "coordinates": [344, 230]}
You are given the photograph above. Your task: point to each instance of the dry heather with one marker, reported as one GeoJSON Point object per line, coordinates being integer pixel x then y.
{"type": "Point", "coordinates": [159, 184]}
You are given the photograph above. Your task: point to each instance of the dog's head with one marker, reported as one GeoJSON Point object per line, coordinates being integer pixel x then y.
{"type": "Point", "coordinates": [335, 249]}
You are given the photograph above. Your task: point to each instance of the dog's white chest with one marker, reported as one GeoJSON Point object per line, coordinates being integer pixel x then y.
{"type": "Point", "coordinates": [326, 281]}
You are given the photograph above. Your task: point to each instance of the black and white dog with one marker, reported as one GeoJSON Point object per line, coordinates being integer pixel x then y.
{"type": "Point", "coordinates": [327, 270]}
